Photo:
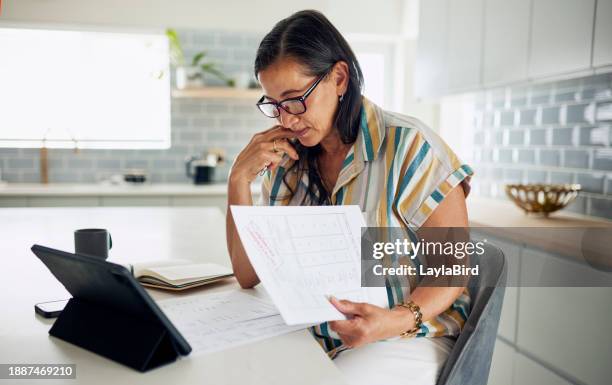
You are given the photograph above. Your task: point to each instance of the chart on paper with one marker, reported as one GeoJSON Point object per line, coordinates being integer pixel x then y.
{"type": "Point", "coordinates": [219, 321]}
{"type": "Point", "coordinates": [302, 254]}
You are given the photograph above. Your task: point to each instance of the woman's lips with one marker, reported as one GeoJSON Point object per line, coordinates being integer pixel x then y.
{"type": "Point", "coordinates": [301, 132]}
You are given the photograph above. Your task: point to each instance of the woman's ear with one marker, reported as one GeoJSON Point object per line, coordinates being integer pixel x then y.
{"type": "Point", "coordinates": [340, 75]}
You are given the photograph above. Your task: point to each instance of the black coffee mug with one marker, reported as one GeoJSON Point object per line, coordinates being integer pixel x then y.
{"type": "Point", "coordinates": [93, 242]}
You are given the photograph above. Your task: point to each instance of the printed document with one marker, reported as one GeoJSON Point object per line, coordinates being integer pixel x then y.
{"type": "Point", "coordinates": [303, 254]}
{"type": "Point", "coordinates": [219, 321]}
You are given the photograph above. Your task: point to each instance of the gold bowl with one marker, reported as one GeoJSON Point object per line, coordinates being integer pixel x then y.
{"type": "Point", "coordinates": [542, 198]}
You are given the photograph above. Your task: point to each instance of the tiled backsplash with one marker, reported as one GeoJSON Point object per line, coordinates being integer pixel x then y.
{"type": "Point", "coordinates": [557, 132]}
{"type": "Point", "coordinates": [197, 125]}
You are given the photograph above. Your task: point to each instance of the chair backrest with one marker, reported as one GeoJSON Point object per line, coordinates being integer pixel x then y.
{"type": "Point", "coordinates": [470, 359]}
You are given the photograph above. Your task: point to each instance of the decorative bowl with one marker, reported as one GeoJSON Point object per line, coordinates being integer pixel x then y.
{"type": "Point", "coordinates": [542, 198]}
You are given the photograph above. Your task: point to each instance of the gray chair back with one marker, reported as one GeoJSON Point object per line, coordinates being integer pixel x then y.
{"type": "Point", "coordinates": [470, 359]}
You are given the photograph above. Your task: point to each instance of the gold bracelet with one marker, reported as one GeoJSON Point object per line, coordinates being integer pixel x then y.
{"type": "Point", "coordinates": [418, 318]}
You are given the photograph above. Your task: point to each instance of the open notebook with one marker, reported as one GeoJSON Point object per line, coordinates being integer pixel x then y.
{"type": "Point", "coordinates": [178, 274]}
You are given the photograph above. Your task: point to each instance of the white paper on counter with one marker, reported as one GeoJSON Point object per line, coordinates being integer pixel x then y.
{"type": "Point", "coordinates": [219, 321]}
{"type": "Point", "coordinates": [302, 254]}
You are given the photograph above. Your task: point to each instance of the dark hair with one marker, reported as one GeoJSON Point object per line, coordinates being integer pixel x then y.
{"type": "Point", "coordinates": [309, 38]}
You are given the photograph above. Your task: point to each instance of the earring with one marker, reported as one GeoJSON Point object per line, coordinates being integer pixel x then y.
{"type": "Point", "coordinates": [340, 98]}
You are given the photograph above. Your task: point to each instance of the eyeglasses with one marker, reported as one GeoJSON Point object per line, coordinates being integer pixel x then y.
{"type": "Point", "coordinates": [294, 106]}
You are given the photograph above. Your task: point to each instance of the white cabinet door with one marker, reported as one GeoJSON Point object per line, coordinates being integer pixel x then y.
{"type": "Point", "coordinates": [602, 44]}
{"type": "Point", "coordinates": [502, 364]}
{"type": "Point", "coordinates": [465, 44]}
{"type": "Point", "coordinates": [506, 41]}
{"type": "Point", "coordinates": [561, 36]}
{"type": "Point", "coordinates": [431, 72]}
{"type": "Point", "coordinates": [566, 327]}
{"type": "Point", "coordinates": [527, 371]}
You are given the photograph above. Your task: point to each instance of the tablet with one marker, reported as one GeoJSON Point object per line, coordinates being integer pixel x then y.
{"type": "Point", "coordinates": [109, 285]}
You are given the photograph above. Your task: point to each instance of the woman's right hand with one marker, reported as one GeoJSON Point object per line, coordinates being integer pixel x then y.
{"type": "Point", "coordinates": [259, 153]}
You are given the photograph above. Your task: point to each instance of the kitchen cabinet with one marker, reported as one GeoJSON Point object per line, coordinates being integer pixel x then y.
{"type": "Point", "coordinates": [506, 41]}
{"type": "Point", "coordinates": [502, 364]}
{"type": "Point", "coordinates": [559, 324]}
{"type": "Point", "coordinates": [431, 78]}
{"type": "Point", "coordinates": [465, 44]}
{"type": "Point", "coordinates": [602, 41]}
{"type": "Point", "coordinates": [527, 371]}
{"type": "Point", "coordinates": [561, 36]}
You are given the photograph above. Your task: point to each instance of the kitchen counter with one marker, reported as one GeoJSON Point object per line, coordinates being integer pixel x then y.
{"type": "Point", "coordinates": [488, 212]}
{"type": "Point", "coordinates": [90, 195]}
{"type": "Point", "coordinates": [147, 189]}
{"type": "Point", "coordinates": [578, 237]}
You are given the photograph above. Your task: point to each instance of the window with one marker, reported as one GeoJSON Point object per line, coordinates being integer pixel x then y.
{"type": "Point", "coordinates": [92, 89]}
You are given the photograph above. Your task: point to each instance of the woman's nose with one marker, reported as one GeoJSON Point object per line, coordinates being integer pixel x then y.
{"type": "Point", "coordinates": [287, 120]}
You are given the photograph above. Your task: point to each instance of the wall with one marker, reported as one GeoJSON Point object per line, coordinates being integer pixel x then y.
{"type": "Point", "coordinates": [197, 125]}
{"type": "Point", "coordinates": [354, 16]}
{"type": "Point", "coordinates": [555, 132]}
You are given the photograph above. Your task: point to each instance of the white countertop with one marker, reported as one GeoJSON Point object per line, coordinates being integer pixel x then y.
{"type": "Point", "coordinates": [139, 234]}
{"type": "Point", "coordinates": [92, 189]}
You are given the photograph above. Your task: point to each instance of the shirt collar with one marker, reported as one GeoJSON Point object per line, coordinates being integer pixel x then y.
{"type": "Point", "coordinates": [367, 145]}
{"type": "Point", "coordinates": [371, 130]}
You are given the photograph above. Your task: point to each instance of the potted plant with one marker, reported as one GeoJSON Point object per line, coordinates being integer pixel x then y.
{"type": "Point", "coordinates": [189, 76]}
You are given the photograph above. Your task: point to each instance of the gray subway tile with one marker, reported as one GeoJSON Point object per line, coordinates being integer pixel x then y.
{"type": "Point", "coordinates": [576, 158]}
{"type": "Point", "coordinates": [504, 155]}
{"type": "Point", "coordinates": [513, 175]}
{"type": "Point", "coordinates": [576, 113]}
{"type": "Point", "coordinates": [507, 118]}
{"type": "Point", "coordinates": [537, 137]}
{"type": "Point", "coordinates": [19, 163]}
{"type": "Point", "coordinates": [516, 137]}
{"type": "Point", "coordinates": [527, 117]}
{"type": "Point", "coordinates": [108, 164]}
{"type": "Point", "coordinates": [567, 96]}
{"type": "Point", "coordinates": [80, 163]}
{"type": "Point", "coordinates": [597, 81]}
{"type": "Point", "coordinates": [601, 207]}
{"type": "Point", "coordinates": [604, 112]}
{"type": "Point", "coordinates": [602, 159]}
{"type": "Point", "coordinates": [540, 99]}
{"type": "Point", "coordinates": [168, 164]}
{"type": "Point", "coordinates": [30, 177]}
{"type": "Point", "coordinates": [136, 163]}
{"type": "Point", "coordinates": [549, 157]}
{"type": "Point", "coordinates": [594, 136]}
{"type": "Point", "coordinates": [190, 136]}
{"type": "Point", "coordinates": [217, 136]}
{"type": "Point", "coordinates": [550, 115]}
{"type": "Point", "coordinates": [561, 177]}
{"type": "Point", "coordinates": [526, 156]}
{"type": "Point", "coordinates": [562, 136]}
{"type": "Point", "coordinates": [593, 183]}
{"type": "Point", "coordinates": [203, 123]}
{"type": "Point", "coordinates": [536, 176]}
{"type": "Point", "coordinates": [498, 137]}
{"type": "Point", "coordinates": [579, 205]}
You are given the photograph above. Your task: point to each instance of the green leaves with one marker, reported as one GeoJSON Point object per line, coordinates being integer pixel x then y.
{"type": "Point", "coordinates": [177, 58]}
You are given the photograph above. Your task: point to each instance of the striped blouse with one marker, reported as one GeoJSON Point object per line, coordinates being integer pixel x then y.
{"type": "Point", "coordinates": [398, 171]}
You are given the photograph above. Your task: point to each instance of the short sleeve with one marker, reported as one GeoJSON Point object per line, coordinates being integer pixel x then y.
{"type": "Point", "coordinates": [432, 171]}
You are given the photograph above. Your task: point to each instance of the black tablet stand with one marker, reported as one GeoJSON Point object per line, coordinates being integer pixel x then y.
{"type": "Point", "coordinates": [130, 340]}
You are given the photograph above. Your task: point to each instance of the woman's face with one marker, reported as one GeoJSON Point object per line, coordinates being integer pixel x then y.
{"type": "Point", "coordinates": [286, 78]}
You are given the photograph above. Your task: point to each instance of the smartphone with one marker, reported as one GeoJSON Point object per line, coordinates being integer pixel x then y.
{"type": "Point", "coordinates": [50, 309]}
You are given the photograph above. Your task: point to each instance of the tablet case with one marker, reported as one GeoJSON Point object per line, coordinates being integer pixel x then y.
{"type": "Point", "coordinates": [110, 314]}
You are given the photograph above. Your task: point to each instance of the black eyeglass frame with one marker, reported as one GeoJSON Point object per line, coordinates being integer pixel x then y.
{"type": "Point", "coordinates": [301, 99]}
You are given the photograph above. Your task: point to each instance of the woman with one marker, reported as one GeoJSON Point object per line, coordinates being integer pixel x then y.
{"type": "Point", "coordinates": [333, 146]}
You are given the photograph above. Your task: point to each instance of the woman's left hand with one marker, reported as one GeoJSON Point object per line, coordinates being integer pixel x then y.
{"type": "Point", "coordinates": [368, 323]}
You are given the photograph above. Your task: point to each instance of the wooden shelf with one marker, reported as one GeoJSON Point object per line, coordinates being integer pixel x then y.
{"type": "Point", "coordinates": [218, 93]}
